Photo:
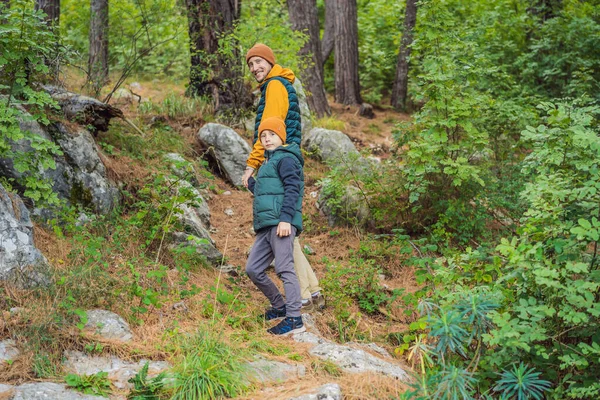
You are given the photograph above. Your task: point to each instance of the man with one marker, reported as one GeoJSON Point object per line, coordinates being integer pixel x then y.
{"type": "Point", "coordinates": [279, 99]}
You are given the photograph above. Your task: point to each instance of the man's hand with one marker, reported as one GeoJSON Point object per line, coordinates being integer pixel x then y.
{"type": "Point", "coordinates": [247, 174]}
{"type": "Point", "coordinates": [284, 229]}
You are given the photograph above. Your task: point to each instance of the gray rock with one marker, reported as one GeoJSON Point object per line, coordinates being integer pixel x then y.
{"type": "Point", "coordinates": [119, 371]}
{"type": "Point", "coordinates": [308, 337]}
{"type": "Point", "coordinates": [108, 325]}
{"type": "Point", "coordinates": [266, 371]}
{"type": "Point", "coordinates": [329, 391]}
{"type": "Point", "coordinates": [305, 115]}
{"type": "Point", "coordinates": [348, 358]}
{"type": "Point", "coordinates": [49, 391]}
{"type": "Point", "coordinates": [227, 149]}
{"type": "Point", "coordinates": [357, 361]}
{"type": "Point", "coordinates": [79, 177]}
{"type": "Point", "coordinates": [182, 168]}
{"type": "Point", "coordinates": [349, 209]}
{"type": "Point", "coordinates": [202, 246]}
{"type": "Point", "coordinates": [194, 214]}
{"type": "Point", "coordinates": [329, 146]}
{"type": "Point", "coordinates": [6, 390]}
{"type": "Point", "coordinates": [20, 260]}
{"type": "Point", "coordinates": [371, 346]}
{"type": "Point", "coordinates": [8, 351]}
{"type": "Point", "coordinates": [308, 250]}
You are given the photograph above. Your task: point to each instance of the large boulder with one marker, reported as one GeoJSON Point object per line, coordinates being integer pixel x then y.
{"type": "Point", "coordinates": [304, 110]}
{"type": "Point", "coordinates": [227, 150]}
{"type": "Point", "coordinates": [330, 146]}
{"type": "Point", "coordinates": [79, 178]}
{"type": "Point", "coordinates": [20, 260]}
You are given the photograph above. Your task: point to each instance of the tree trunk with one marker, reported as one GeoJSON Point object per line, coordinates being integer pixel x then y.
{"type": "Point", "coordinates": [328, 33]}
{"type": "Point", "coordinates": [52, 10]}
{"type": "Point", "coordinates": [347, 88]}
{"type": "Point", "coordinates": [98, 57]}
{"type": "Point", "coordinates": [400, 87]}
{"type": "Point", "coordinates": [212, 73]}
{"type": "Point", "coordinates": [304, 18]}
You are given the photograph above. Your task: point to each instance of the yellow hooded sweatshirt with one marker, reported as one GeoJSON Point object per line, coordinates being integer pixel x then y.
{"type": "Point", "coordinates": [276, 105]}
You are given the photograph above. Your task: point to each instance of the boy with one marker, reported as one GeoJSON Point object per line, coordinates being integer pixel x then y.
{"type": "Point", "coordinates": [277, 216]}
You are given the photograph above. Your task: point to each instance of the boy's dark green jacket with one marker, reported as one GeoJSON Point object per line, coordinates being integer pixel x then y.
{"type": "Point", "coordinates": [279, 188]}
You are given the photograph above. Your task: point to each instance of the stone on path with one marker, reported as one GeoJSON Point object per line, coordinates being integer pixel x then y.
{"type": "Point", "coordinates": [43, 391]}
{"type": "Point", "coordinates": [8, 351]}
{"type": "Point", "coordinates": [350, 359]}
{"type": "Point", "coordinates": [267, 371]}
{"type": "Point", "coordinates": [108, 325]}
{"type": "Point", "coordinates": [329, 391]}
{"type": "Point", "coordinates": [119, 371]}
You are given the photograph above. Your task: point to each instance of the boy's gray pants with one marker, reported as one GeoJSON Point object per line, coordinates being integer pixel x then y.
{"type": "Point", "coordinates": [269, 246]}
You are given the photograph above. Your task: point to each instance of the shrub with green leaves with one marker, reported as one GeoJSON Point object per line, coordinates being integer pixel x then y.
{"type": "Point", "coordinates": [538, 305]}
{"type": "Point", "coordinates": [26, 45]}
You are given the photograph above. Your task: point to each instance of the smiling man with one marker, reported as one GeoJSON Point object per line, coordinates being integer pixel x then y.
{"type": "Point", "coordinates": [278, 99]}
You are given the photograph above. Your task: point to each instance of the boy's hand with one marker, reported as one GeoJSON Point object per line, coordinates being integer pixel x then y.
{"type": "Point", "coordinates": [284, 229]}
{"type": "Point", "coordinates": [247, 174]}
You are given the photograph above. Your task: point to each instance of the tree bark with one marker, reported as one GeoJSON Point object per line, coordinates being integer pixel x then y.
{"type": "Point", "coordinates": [328, 32]}
{"type": "Point", "coordinates": [400, 87]}
{"type": "Point", "coordinates": [212, 73]}
{"type": "Point", "coordinates": [304, 18]}
{"type": "Point", "coordinates": [347, 87]}
{"type": "Point", "coordinates": [98, 57]}
{"type": "Point", "coordinates": [52, 10]}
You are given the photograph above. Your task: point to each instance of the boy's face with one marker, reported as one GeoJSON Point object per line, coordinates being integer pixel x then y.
{"type": "Point", "coordinates": [259, 67]}
{"type": "Point", "coordinates": [270, 140]}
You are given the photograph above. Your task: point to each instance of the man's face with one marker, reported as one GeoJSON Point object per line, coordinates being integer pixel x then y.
{"type": "Point", "coordinates": [259, 67]}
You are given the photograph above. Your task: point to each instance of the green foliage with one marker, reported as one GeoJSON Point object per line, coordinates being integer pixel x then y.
{"type": "Point", "coordinates": [156, 30]}
{"type": "Point", "coordinates": [378, 52]}
{"type": "Point", "coordinates": [522, 383]}
{"type": "Point", "coordinates": [533, 301]}
{"type": "Point", "coordinates": [26, 44]}
{"type": "Point", "coordinates": [95, 384]}
{"type": "Point", "coordinates": [208, 368]}
{"type": "Point", "coordinates": [144, 388]}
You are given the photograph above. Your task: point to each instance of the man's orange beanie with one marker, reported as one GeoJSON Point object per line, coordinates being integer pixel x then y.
{"type": "Point", "coordinates": [262, 51]}
{"type": "Point", "coordinates": [274, 124]}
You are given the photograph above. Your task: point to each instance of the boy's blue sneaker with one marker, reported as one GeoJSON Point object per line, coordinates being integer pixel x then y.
{"type": "Point", "coordinates": [288, 326]}
{"type": "Point", "coordinates": [275, 313]}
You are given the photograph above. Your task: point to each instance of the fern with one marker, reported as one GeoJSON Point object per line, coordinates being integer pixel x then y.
{"type": "Point", "coordinates": [521, 383]}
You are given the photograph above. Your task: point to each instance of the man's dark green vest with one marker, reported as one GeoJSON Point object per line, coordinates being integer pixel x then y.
{"type": "Point", "coordinates": [293, 126]}
{"type": "Point", "coordinates": [268, 192]}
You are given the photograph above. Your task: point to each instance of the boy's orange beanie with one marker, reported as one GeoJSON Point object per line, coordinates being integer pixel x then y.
{"type": "Point", "coordinates": [262, 51]}
{"type": "Point", "coordinates": [274, 124]}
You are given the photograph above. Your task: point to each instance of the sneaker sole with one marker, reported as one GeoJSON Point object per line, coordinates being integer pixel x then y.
{"type": "Point", "coordinates": [297, 330]}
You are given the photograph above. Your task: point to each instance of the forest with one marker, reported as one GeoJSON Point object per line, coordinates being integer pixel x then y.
{"type": "Point", "coordinates": [461, 236]}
